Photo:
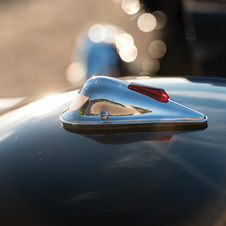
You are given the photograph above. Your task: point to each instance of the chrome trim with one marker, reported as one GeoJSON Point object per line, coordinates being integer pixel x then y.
{"type": "Point", "coordinates": [104, 115]}
{"type": "Point", "coordinates": [124, 108]}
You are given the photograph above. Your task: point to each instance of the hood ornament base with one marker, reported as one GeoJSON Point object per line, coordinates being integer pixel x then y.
{"type": "Point", "coordinates": [109, 104]}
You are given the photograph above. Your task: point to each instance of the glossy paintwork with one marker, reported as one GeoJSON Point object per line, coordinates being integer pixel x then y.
{"type": "Point", "coordinates": [49, 176]}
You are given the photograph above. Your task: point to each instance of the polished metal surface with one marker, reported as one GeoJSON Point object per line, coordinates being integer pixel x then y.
{"type": "Point", "coordinates": [125, 109]}
{"type": "Point", "coordinates": [104, 115]}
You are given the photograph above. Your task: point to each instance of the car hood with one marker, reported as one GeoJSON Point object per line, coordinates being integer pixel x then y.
{"type": "Point", "coordinates": [63, 178]}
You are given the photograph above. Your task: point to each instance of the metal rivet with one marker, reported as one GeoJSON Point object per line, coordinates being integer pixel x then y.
{"type": "Point", "coordinates": [104, 115]}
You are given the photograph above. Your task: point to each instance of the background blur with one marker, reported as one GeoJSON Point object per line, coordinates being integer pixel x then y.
{"type": "Point", "coordinates": [37, 38]}
{"type": "Point", "coordinates": [40, 41]}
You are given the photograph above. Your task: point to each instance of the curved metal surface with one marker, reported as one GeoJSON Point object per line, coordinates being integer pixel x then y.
{"type": "Point", "coordinates": [125, 108]}
{"type": "Point", "coordinates": [49, 176]}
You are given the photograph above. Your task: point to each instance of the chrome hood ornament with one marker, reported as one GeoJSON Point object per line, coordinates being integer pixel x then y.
{"type": "Point", "coordinates": [105, 104]}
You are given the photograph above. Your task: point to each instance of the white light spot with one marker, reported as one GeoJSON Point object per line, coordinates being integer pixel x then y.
{"type": "Point", "coordinates": [97, 33]}
{"type": "Point", "coordinates": [128, 52]}
{"type": "Point", "coordinates": [157, 49]}
{"type": "Point", "coordinates": [75, 73]}
{"type": "Point", "coordinates": [146, 22]}
{"type": "Point", "coordinates": [123, 39]}
{"type": "Point", "coordinates": [80, 41]}
{"type": "Point", "coordinates": [130, 6]}
{"type": "Point", "coordinates": [111, 34]}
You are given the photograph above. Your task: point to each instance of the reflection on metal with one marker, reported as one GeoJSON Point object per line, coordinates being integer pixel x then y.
{"type": "Point", "coordinates": [114, 109]}
{"type": "Point", "coordinates": [104, 115]}
{"type": "Point", "coordinates": [125, 109]}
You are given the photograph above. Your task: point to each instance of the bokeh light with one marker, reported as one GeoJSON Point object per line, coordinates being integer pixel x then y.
{"type": "Point", "coordinates": [80, 41]}
{"type": "Point", "coordinates": [150, 65]}
{"type": "Point", "coordinates": [75, 73]}
{"type": "Point", "coordinates": [161, 19]}
{"type": "Point", "coordinates": [97, 33]}
{"type": "Point", "coordinates": [157, 49]}
{"type": "Point", "coordinates": [130, 6]}
{"type": "Point", "coordinates": [146, 22]}
{"type": "Point", "coordinates": [128, 52]}
{"type": "Point", "coordinates": [106, 37]}
{"type": "Point", "coordinates": [123, 39]}
{"type": "Point", "coordinates": [111, 34]}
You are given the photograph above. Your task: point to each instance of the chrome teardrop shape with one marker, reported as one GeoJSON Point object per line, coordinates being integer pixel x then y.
{"type": "Point", "coordinates": [106, 103]}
